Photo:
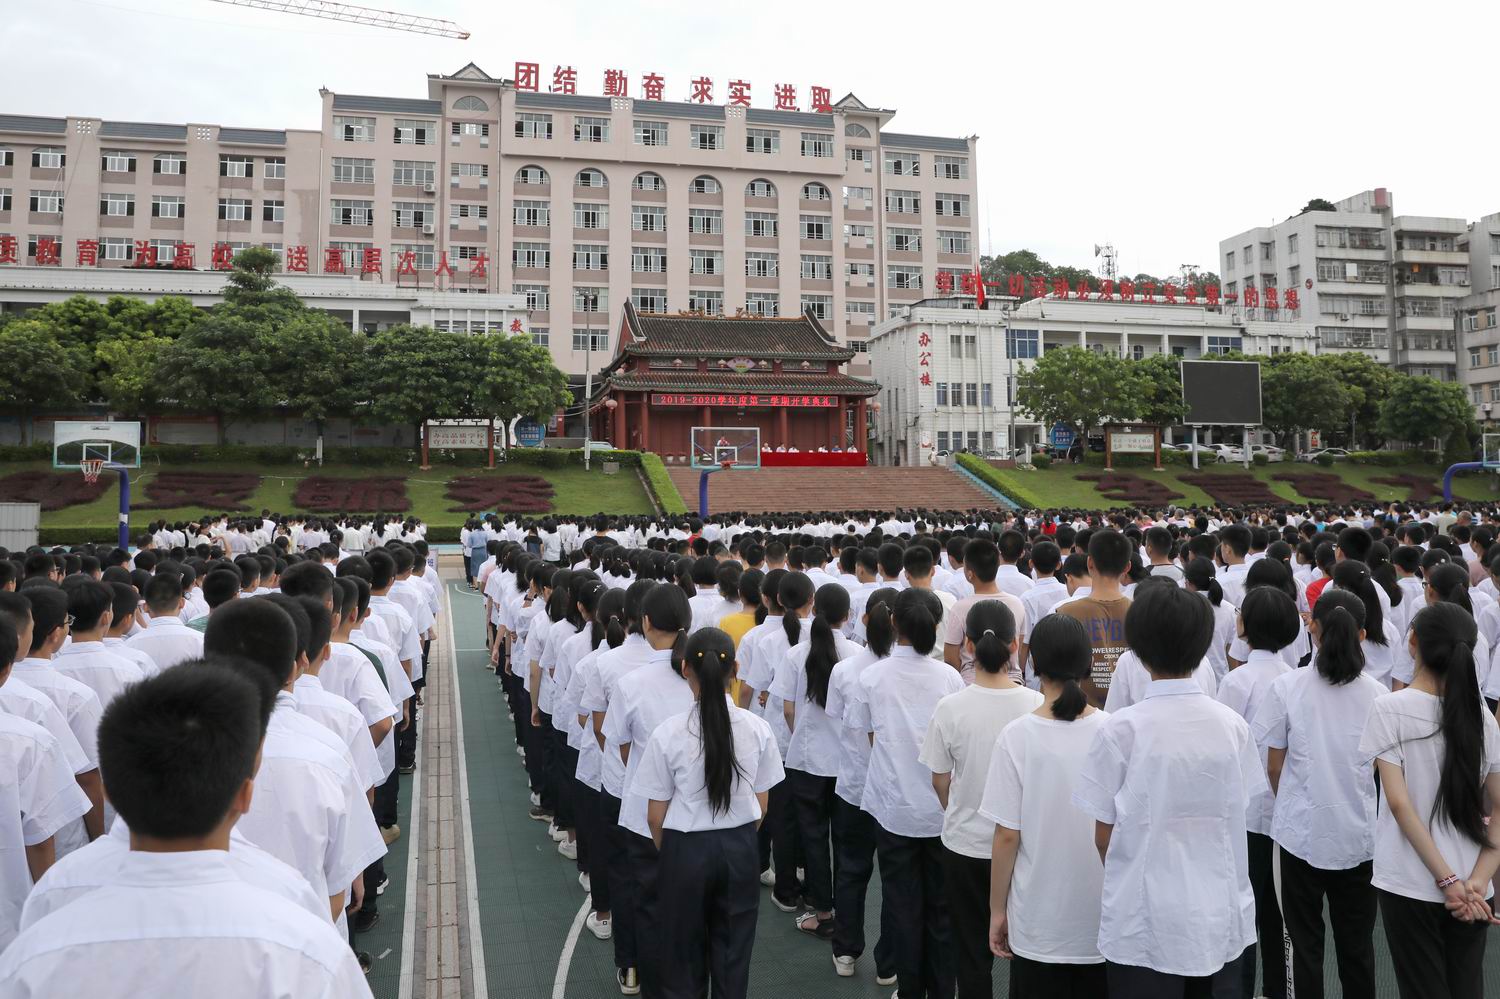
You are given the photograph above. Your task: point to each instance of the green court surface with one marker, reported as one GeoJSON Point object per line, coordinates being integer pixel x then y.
{"type": "Point", "coordinates": [384, 941]}
{"type": "Point", "coordinates": [530, 899]}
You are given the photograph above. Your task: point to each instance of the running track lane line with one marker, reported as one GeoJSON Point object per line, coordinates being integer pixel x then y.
{"type": "Point", "coordinates": [565, 959]}
{"type": "Point", "coordinates": [461, 766]}
{"type": "Point", "coordinates": [413, 873]}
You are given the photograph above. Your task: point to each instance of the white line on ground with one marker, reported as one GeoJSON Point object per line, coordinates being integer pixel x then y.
{"type": "Point", "coordinates": [461, 770]}
{"type": "Point", "coordinates": [565, 959]}
{"type": "Point", "coordinates": [413, 833]}
{"type": "Point", "coordinates": [383, 954]}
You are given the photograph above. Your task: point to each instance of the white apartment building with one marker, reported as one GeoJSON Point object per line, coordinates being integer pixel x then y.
{"type": "Point", "coordinates": [965, 399]}
{"type": "Point", "coordinates": [1367, 279]}
{"type": "Point", "coordinates": [362, 305]}
{"type": "Point", "coordinates": [577, 203]}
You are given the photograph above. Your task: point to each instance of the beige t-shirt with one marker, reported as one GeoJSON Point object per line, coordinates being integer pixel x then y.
{"type": "Point", "coordinates": [958, 615]}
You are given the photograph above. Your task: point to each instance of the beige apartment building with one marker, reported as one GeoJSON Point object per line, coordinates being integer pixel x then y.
{"type": "Point", "coordinates": [576, 202]}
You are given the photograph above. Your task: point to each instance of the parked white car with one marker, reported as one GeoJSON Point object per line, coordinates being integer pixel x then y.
{"type": "Point", "coordinates": [1206, 452]}
{"type": "Point", "coordinates": [1272, 453]}
{"type": "Point", "coordinates": [1336, 453]}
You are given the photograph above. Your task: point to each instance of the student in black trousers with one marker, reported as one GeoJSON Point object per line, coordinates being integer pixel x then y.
{"type": "Point", "coordinates": [706, 773]}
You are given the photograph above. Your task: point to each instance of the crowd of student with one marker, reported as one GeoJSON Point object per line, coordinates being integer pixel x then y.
{"type": "Point", "coordinates": [200, 756]}
{"type": "Point", "coordinates": [1133, 754]}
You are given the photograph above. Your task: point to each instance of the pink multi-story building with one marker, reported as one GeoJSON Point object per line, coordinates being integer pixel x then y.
{"type": "Point", "coordinates": [578, 203]}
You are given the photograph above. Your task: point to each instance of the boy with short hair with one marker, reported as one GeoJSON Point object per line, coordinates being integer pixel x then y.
{"type": "Point", "coordinates": [1102, 611]}
{"type": "Point", "coordinates": [1167, 782]}
{"type": "Point", "coordinates": [179, 754]}
{"type": "Point", "coordinates": [165, 638]}
{"type": "Point", "coordinates": [90, 605]}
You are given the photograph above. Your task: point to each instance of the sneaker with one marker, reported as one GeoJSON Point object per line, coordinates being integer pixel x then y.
{"type": "Point", "coordinates": [366, 962]}
{"type": "Point", "coordinates": [539, 813]}
{"type": "Point", "coordinates": [407, 768]}
{"type": "Point", "coordinates": [536, 799]}
{"type": "Point", "coordinates": [390, 833]}
{"type": "Point", "coordinates": [843, 965]}
{"type": "Point", "coordinates": [568, 848]}
{"type": "Point", "coordinates": [598, 927]}
{"type": "Point", "coordinates": [890, 979]}
{"type": "Point", "coordinates": [630, 985]}
{"type": "Point", "coordinates": [786, 905]}
{"type": "Point", "coordinates": [520, 750]}
{"type": "Point", "coordinates": [365, 920]}
{"type": "Point", "coordinates": [768, 877]}
{"type": "Point", "coordinates": [585, 882]}
{"type": "Point", "coordinates": [558, 835]}
{"type": "Point", "coordinates": [385, 882]}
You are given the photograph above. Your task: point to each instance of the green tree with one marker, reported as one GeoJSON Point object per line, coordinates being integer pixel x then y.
{"type": "Point", "coordinates": [126, 374]}
{"type": "Point", "coordinates": [1298, 393]}
{"type": "Point", "coordinates": [416, 373]}
{"type": "Point", "coordinates": [1080, 389]}
{"type": "Point", "coordinates": [225, 365]}
{"type": "Point", "coordinates": [39, 372]}
{"type": "Point", "coordinates": [1161, 397]}
{"type": "Point", "coordinates": [1367, 384]}
{"type": "Point", "coordinates": [1421, 409]}
{"type": "Point", "coordinates": [1318, 205]}
{"type": "Point", "coordinates": [315, 362]}
{"type": "Point", "coordinates": [517, 378]}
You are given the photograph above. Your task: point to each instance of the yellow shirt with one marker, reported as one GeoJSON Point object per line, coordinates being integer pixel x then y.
{"type": "Point", "coordinates": [735, 625]}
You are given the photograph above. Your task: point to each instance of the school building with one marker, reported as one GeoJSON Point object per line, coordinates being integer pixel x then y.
{"type": "Point", "coordinates": [946, 376]}
{"type": "Point", "coordinates": [578, 203]}
{"type": "Point", "coordinates": [783, 376]}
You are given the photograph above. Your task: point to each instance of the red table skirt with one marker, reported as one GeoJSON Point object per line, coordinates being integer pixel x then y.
{"type": "Point", "coordinates": [813, 459]}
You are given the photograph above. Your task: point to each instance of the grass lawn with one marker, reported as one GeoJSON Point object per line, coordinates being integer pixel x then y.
{"type": "Point", "coordinates": [575, 491]}
{"type": "Point", "coordinates": [1059, 486]}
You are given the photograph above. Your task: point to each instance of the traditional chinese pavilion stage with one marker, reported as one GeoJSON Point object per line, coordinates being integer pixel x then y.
{"type": "Point", "coordinates": [671, 373]}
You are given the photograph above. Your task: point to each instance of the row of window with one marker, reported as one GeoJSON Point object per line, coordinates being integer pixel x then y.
{"type": "Point", "coordinates": [653, 260]}
{"type": "Point", "coordinates": [972, 440]}
{"type": "Point", "coordinates": [405, 131]}
{"type": "Point", "coordinates": [595, 300]}
{"type": "Point", "coordinates": [963, 394]}
{"type": "Point", "coordinates": [115, 205]}
{"type": "Point", "coordinates": [172, 164]}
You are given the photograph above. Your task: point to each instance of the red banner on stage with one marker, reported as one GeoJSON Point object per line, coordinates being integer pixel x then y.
{"type": "Point", "coordinates": [742, 400]}
{"type": "Point", "coordinates": [812, 459]}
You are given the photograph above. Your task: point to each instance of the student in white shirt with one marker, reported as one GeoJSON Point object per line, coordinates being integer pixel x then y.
{"type": "Point", "coordinates": [1168, 782]}
{"type": "Point", "coordinates": [1045, 884]}
{"type": "Point", "coordinates": [1198, 577]}
{"type": "Point", "coordinates": [179, 753]}
{"type": "Point", "coordinates": [1309, 724]}
{"type": "Point", "coordinates": [84, 657]}
{"type": "Point", "coordinates": [706, 774]}
{"type": "Point", "coordinates": [853, 827]}
{"type": "Point", "coordinates": [812, 758]}
{"type": "Point", "coordinates": [958, 747]}
{"type": "Point", "coordinates": [1039, 601]}
{"type": "Point", "coordinates": [643, 699]}
{"type": "Point", "coordinates": [165, 638]}
{"type": "Point", "coordinates": [1268, 623]}
{"type": "Point", "coordinates": [896, 701]}
{"type": "Point", "coordinates": [1438, 753]}
{"type": "Point", "coordinates": [1384, 650]}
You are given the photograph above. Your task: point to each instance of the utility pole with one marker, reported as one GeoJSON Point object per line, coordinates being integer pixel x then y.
{"type": "Point", "coordinates": [350, 14]}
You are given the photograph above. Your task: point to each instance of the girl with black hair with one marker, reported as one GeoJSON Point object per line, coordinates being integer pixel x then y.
{"type": "Point", "coordinates": [1309, 725]}
{"type": "Point", "coordinates": [562, 613]}
{"type": "Point", "coordinates": [629, 651]}
{"type": "Point", "coordinates": [644, 698]}
{"type": "Point", "coordinates": [1267, 572]}
{"type": "Point", "coordinates": [812, 757]}
{"type": "Point", "coordinates": [1199, 577]}
{"type": "Point", "coordinates": [564, 654]}
{"type": "Point", "coordinates": [1447, 582]}
{"type": "Point", "coordinates": [707, 773]}
{"type": "Point", "coordinates": [595, 853]}
{"type": "Point", "coordinates": [1384, 651]}
{"type": "Point", "coordinates": [853, 827]}
{"type": "Point", "coordinates": [957, 748]}
{"type": "Point", "coordinates": [896, 700]}
{"type": "Point", "coordinates": [1045, 879]}
{"type": "Point", "coordinates": [1268, 623]}
{"type": "Point", "coordinates": [1438, 753]}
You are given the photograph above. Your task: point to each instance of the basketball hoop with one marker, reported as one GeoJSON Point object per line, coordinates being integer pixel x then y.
{"type": "Point", "coordinates": [92, 469]}
{"type": "Point", "coordinates": [727, 464]}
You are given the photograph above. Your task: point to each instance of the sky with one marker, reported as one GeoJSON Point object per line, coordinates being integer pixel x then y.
{"type": "Point", "coordinates": [1158, 127]}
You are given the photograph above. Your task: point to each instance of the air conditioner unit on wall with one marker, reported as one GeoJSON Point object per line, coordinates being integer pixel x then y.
{"type": "Point", "coordinates": [431, 188]}
{"type": "Point", "coordinates": [427, 229]}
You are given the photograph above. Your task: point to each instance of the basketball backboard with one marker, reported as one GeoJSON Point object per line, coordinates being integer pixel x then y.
{"type": "Point", "coordinates": [115, 442]}
{"type": "Point", "coordinates": [726, 447]}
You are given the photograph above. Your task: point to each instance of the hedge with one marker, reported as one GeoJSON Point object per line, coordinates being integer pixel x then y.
{"type": "Point", "coordinates": [986, 473]}
{"type": "Point", "coordinates": [1395, 459]}
{"type": "Point", "coordinates": [663, 489]}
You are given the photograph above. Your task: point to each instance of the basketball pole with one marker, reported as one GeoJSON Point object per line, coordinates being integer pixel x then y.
{"type": "Point", "coordinates": [703, 491]}
{"type": "Point", "coordinates": [124, 504]}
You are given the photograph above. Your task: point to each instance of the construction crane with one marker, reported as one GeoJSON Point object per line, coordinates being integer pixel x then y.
{"type": "Point", "coordinates": [351, 14]}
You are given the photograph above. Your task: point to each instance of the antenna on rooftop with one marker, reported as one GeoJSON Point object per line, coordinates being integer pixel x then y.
{"type": "Point", "coordinates": [1108, 260]}
{"type": "Point", "coordinates": [350, 14]}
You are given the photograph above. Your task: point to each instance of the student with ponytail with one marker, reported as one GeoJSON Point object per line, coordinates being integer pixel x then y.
{"type": "Point", "coordinates": [1438, 753]}
{"type": "Point", "coordinates": [706, 773]}
{"type": "Point", "coordinates": [895, 703]}
{"type": "Point", "coordinates": [605, 618]}
{"type": "Point", "coordinates": [1268, 623]}
{"type": "Point", "coordinates": [1323, 819]}
{"type": "Point", "coordinates": [957, 748]}
{"type": "Point", "coordinates": [642, 700]}
{"type": "Point", "coordinates": [1447, 582]}
{"type": "Point", "coordinates": [761, 652]}
{"type": "Point", "coordinates": [1199, 577]}
{"type": "Point", "coordinates": [854, 828]}
{"type": "Point", "coordinates": [812, 758]}
{"type": "Point", "coordinates": [600, 698]}
{"type": "Point", "coordinates": [1045, 879]}
{"type": "Point", "coordinates": [567, 651]}
{"type": "Point", "coordinates": [1382, 645]}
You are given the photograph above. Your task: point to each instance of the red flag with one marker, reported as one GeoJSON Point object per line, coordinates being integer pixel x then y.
{"type": "Point", "coordinates": [978, 288]}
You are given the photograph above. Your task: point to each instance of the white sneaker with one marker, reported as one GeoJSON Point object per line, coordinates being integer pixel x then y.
{"type": "Point", "coordinates": [568, 848]}
{"type": "Point", "coordinates": [558, 835]}
{"type": "Point", "coordinates": [885, 980]}
{"type": "Point", "coordinates": [536, 799]}
{"type": "Point", "coordinates": [585, 882]}
{"type": "Point", "coordinates": [598, 927]}
{"type": "Point", "coordinates": [768, 877]}
{"type": "Point", "coordinates": [843, 965]}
